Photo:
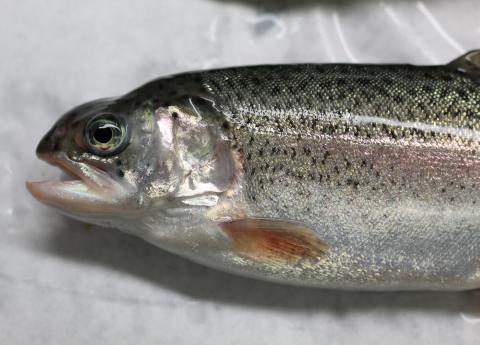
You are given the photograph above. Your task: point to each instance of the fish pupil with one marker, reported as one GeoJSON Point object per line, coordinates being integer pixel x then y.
{"type": "Point", "coordinates": [103, 135]}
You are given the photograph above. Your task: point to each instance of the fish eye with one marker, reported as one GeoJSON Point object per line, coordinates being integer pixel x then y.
{"type": "Point", "coordinates": [106, 134]}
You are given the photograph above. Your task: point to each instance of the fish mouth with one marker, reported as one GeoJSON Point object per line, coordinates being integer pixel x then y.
{"type": "Point", "coordinates": [90, 189]}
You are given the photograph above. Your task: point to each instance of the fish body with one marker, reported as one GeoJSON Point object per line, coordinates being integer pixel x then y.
{"type": "Point", "coordinates": [336, 176]}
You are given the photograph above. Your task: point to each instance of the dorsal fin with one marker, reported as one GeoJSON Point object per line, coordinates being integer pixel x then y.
{"type": "Point", "coordinates": [468, 63]}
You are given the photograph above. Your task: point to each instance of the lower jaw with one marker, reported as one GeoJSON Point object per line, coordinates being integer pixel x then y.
{"type": "Point", "coordinates": [73, 196]}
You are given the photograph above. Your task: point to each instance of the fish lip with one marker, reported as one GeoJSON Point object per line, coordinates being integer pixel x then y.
{"type": "Point", "coordinates": [78, 171]}
{"type": "Point", "coordinates": [92, 190]}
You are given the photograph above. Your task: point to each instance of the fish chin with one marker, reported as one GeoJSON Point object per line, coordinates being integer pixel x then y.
{"type": "Point", "coordinates": [91, 190]}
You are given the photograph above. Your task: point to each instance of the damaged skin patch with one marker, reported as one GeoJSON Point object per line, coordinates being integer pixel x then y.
{"type": "Point", "coordinates": [274, 241]}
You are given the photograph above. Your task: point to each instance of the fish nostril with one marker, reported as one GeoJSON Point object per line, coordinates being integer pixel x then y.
{"type": "Point", "coordinates": [47, 145]}
{"type": "Point", "coordinates": [50, 141]}
{"type": "Point", "coordinates": [44, 147]}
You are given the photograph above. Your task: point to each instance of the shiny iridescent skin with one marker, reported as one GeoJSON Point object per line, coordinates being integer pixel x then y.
{"type": "Point", "coordinates": [381, 163]}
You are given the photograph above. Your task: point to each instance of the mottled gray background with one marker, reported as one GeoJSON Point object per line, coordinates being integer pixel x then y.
{"type": "Point", "coordinates": [62, 282]}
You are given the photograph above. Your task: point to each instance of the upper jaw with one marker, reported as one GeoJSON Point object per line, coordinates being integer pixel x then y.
{"type": "Point", "coordinates": [91, 191]}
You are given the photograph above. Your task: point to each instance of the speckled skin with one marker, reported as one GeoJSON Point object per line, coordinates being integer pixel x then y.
{"type": "Point", "coordinates": [382, 162]}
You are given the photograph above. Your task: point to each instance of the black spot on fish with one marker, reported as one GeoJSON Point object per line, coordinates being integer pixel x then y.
{"type": "Point", "coordinates": [276, 90]}
{"type": "Point", "coordinates": [260, 182]}
{"type": "Point", "coordinates": [120, 173]}
{"type": "Point", "coordinates": [364, 81]}
{"type": "Point", "coordinates": [343, 68]}
{"type": "Point", "coordinates": [256, 81]}
{"type": "Point", "coordinates": [412, 92]}
{"type": "Point", "coordinates": [294, 153]}
{"type": "Point", "coordinates": [352, 182]}
{"type": "Point", "coordinates": [230, 83]}
{"type": "Point", "coordinates": [428, 75]}
{"type": "Point", "coordinates": [391, 68]}
{"type": "Point", "coordinates": [369, 97]}
{"type": "Point", "coordinates": [290, 122]}
{"type": "Point", "coordinates": [118, 162]}
{"type": "Point", "coordinates": [302, 119]}
{"type": "Point", "coordinates": [427, 88]}
{"type": "Point", "coordinates": [462, 94]}
{"type": "Point", "coordinates": [175, 115]}
{"type": "Point", "coordinates": [446, 77]}
{"type": "Point", "coordinates": [355, 131]}
{"type": "Point", "coordinates": [307, 151]}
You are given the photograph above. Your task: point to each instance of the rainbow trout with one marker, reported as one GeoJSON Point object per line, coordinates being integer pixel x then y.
{"type": "Point", "coordinates": [336, 176]}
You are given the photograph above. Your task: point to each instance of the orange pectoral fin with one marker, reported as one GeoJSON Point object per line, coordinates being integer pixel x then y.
{"type": "Point", "coordinates": [276, 241]}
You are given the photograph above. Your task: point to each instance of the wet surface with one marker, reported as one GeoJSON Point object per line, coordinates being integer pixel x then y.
{"type": "Point", "coordinates": [65, 282]}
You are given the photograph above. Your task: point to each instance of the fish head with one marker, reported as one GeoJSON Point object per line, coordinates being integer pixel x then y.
{"type": "Point", "coordinates": [108, 150]}
{"type": "Point", "coordinates": [136, 165]}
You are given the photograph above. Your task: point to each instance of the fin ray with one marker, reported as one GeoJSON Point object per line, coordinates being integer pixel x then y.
{"type": "Point", "coordinates": [274, 241]}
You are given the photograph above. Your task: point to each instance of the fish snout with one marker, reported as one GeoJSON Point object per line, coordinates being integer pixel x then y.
{"type": "Point", "coordinates": [50, 143]}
